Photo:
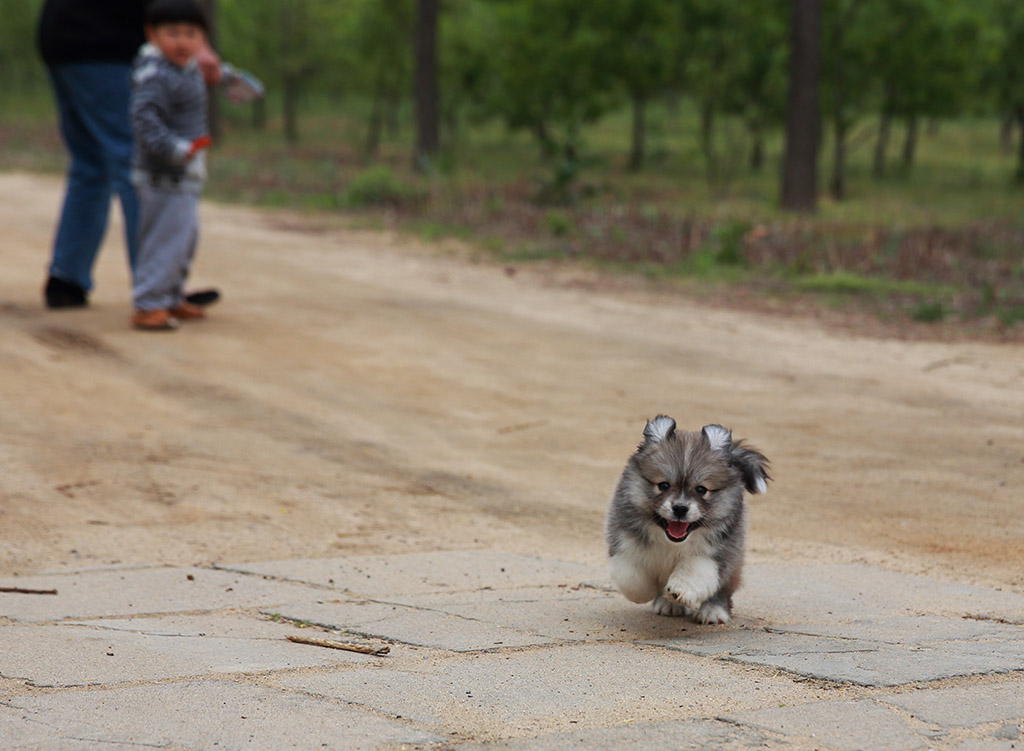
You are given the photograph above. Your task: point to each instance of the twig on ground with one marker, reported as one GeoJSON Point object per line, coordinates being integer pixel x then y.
{"type": "Point", "coordinates": [23, 591]}
{"type": "Point", "coordinates": [365, 649]}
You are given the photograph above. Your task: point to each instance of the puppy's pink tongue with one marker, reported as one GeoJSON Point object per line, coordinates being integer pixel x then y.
{"type": "Point", "coordinates": [677, 530]}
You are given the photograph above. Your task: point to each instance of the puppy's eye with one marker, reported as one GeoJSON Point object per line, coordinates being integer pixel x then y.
{"type": "Point", "coordinates": [663, 486]}
{"type": "Point", "coordinates": [701, 490]}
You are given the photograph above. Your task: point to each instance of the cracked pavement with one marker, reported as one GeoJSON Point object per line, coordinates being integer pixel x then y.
{"type": "Point", "coordinates": [503, 651]}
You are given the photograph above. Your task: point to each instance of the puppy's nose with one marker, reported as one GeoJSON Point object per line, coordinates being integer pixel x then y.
{"type": "Point", "coordinates": [680, 510]}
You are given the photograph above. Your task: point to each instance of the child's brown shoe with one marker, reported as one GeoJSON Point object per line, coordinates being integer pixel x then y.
{"type": "Point", "coordinates": [154, 320]}
{"type": "Point", "coordinates": [186, 311]}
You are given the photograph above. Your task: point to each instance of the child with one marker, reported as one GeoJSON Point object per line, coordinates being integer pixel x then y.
{"type": "Point", "coordinates": [168, 115]}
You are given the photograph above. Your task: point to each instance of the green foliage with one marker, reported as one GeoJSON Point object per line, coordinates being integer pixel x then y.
{"type": "Point", "coordinates": [929, 311]}
{"type": "Point", "coordinates": [709, 78]}
{"type": "Point", "coordinates": [380, 186]}
{"type": "Point", "coordinates": [642, 44]}
{"type": "Point", "coordinates": [20, 71]}
{"type": "Point", "coordinates": [728, 238]}
{"type": "Point", "coordinates": [558, 223]}
{"type": "Point", "coordinates": [555, 68]}
{"type": "Point", "coordinates": [549, 78]}
{"type": "Point", "coordinates": [851, 283]}
{"type": "Point", "coordinates": [925, 55]}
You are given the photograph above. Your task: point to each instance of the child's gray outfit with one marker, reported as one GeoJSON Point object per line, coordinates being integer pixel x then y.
{"type": "Point", "coordinates": [168, 112]}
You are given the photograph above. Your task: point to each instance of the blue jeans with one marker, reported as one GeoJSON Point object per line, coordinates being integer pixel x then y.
{"type": "Point", "coordinates": [92, 105]}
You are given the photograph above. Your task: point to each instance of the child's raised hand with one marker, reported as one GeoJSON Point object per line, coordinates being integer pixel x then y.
{"type": "Point", "coordinates": [203, 142]}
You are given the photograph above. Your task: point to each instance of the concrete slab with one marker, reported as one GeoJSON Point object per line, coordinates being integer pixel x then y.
{"type": "Point", "coordinates": [884, 652]}
{"type": "Point", "coordinates": [419, 573]}
{"type": "Point", "coordinates": [153, 649]}
{"type": "Point", "coordinates": [139, 591]}
{"type": "Point", "coordinates": [555, 689]}
{"type": "Point", "coordinates": [965, 706]}
{"type": "Point", "coordinates": [757, 642]}
{"type": "Point", "coordinates": [508, 651]}
{"type": "Point", "coordinates": [914, 630]}
{"type": "Point", "coordinates": [1011, 731]}
{"type": "Point", "coordinates": [559, 613]}
{"type": "Point", "coordinates": [845, 725]}
{"type": "Point", "coordinates": [644, 736]}
{"type": "Point", "coordinates": [889, 666]}
{"type": "Point", "coordinates": [987, 744]}
{"type": "Point", "coordinates": [201, 716]}
{"type": "Point", "coordinates": [823, 593]}
{"type": "Point", "coordinates": [400, 623]}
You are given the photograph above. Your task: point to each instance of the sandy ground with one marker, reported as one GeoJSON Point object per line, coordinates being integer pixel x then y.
{"type": "Point", "coordinates": [358, 393]}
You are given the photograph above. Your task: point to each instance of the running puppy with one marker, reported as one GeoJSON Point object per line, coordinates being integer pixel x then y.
{"type": "Point", "coordinates": [677, 522]}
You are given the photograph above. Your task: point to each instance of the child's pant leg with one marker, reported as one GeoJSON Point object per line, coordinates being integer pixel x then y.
{"type": "Point", "coordinates": [169, 232]}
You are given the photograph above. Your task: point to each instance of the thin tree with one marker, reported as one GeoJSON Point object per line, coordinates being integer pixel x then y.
{"type": "Point", "coordinates": [803, 121]}
{"type": "Point", "coordinates": [213, 103]}
{"type": "Point", "coordinates": [293, 63]}
{"type": "Point", "coordinates": [426, 82]}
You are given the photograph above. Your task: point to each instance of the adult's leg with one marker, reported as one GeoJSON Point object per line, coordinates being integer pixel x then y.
{"type": "Point", "coordinates": [93, 101]}
{"type": "Point", "coordinates": [83, 217]}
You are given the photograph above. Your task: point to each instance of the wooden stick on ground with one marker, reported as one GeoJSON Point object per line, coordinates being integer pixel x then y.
{"type": "Point", "coordinates": [23, 591]}
{"type": "Point", "coordinates": [365, 649]}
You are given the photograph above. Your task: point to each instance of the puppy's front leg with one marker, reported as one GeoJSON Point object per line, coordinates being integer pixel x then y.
{"type": "Point", "coordinates": [635, 583]}
{"type": "Point", "coordinates": [693, 582]}
{"type": "Point", "coordinates": [665, 606]}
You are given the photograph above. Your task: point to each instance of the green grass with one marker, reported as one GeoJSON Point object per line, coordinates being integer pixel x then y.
{"type": "Point", "coordinates": [848, 283]}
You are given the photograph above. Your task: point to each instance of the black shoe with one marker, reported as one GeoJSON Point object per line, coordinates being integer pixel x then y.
{"type": "Point", "coordinates": [203, 297]}
{"type": "Point", "coordinates": [62, 294]}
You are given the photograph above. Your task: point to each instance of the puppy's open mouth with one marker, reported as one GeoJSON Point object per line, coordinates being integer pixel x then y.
{"type": "Point", "coordinates": [677, 531]}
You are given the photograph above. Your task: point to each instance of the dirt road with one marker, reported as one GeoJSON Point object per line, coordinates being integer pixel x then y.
{"type": "Point", "coordinates": [358, 393]}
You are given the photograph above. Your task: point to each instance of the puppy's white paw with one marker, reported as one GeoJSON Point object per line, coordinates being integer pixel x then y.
{"type": "Point", "coordinates": [684, 595]}
{"type": "Point", "coordinates": [712, 613]}
{"type": "Point", "coordinates": [663, 606]}
{"type": "Point", "coordinates": [693, 583]}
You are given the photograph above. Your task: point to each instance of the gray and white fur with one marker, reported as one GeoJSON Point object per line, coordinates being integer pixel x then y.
{"type": "Point", "coordinates": [677, 522]}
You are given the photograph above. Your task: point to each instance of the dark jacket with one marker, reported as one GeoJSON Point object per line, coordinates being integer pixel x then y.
{"type": "Point", "coordinates": [76, 31]}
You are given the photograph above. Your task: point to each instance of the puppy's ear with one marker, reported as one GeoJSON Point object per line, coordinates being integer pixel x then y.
{"type": "Point", "coordinates": [718, 438]}
{"type": "Point", "coordinates": [753, 465]}
{"type": "Point", "coordinates": [659, 429]}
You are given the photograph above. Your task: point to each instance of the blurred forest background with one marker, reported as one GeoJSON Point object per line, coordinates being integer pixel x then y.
{"type": "Point", "coordinates": [643, 136]}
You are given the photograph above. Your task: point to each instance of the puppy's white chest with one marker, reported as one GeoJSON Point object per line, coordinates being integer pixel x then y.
{"type": "Point", "coordinates": [665, 559]}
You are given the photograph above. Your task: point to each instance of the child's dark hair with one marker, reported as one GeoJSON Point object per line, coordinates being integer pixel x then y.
{"type": "Point", "coordinates": [175, 11]}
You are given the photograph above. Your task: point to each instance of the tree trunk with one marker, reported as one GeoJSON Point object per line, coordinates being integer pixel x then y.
{"type": "Point", "coordinates": [707, 140]}
{"type": "Point", "coordinates": [290, 106]}
{"type": "Point", "coordinates": [259, 113]}
{"type": "Point", "coordinates": [757, 148]}
{"type": "Point", "coordinates": [881, 145]}
{"type": "Point", "coordinates": [803, 120]}
{"type": "Point", "coordinates": [1006, 132]}
{"type": "Point", "coordinates": [837, 185]}
{"type": "Point", "coordinates": [376, 124]}
{"type": "Point", "coordinates": [1019, 176]}
{"type": "Point", "coordinates": [878, 167]}
{"type": "Point", "coordinates": [391, 110]}
{"type": "Point", "coordinates": [212, 100]}
{"type": "Point", "coordinates": [291, 17]}
{"type": "Point", "coordinates": [451, 130]}
{"type": "Point", "coordinates": [637, 150]}
{"type": "Point", "coordinates": [427, 109]}
{"type": "Point", "coordinates": [840, 126]}
{"type": "Point", "coordinates": [548, 147]}
{"type": "Point", "coordinates": [910, 144]}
